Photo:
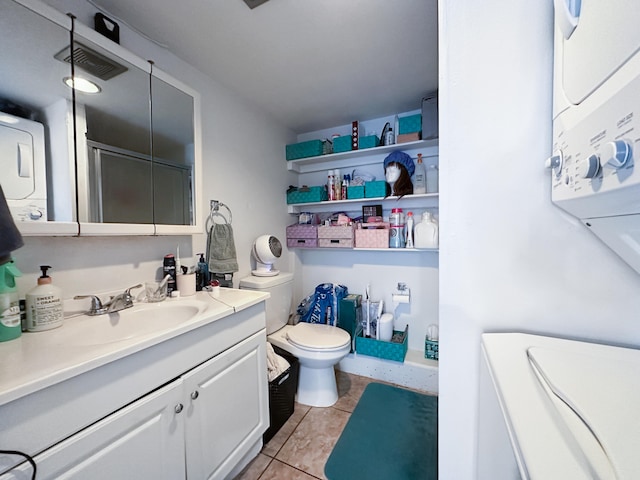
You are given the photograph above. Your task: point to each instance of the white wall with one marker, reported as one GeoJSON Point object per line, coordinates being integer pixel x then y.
{"type": "Point", "coordinates": [244, 167]}
{"type": "Point", "coordinates": [509, 260]}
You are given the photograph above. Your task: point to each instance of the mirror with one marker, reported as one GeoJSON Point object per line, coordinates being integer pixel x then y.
{"type": "Point", "coordinates": [36, 146]}
{"type": "Point", "coordinates": [113, 175]}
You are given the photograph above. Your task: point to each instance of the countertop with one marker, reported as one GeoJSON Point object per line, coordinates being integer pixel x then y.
{"type": "Point", "coordinates": [37, 360]}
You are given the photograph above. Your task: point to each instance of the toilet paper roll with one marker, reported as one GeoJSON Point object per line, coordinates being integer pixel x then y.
{"type": "Point", "coordinates": [187, 284]}
{"type": "Point", "coordinates": [385, 324]}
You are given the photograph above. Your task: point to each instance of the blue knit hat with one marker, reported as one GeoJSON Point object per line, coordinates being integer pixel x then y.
{"type": "Point", "coordinates": [402, 159]}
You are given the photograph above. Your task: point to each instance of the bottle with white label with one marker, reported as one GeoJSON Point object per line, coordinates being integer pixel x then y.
{"type": "Point", "coordinates": [10, 325]}
{"type": "Point", "coordinates": [44, 304]}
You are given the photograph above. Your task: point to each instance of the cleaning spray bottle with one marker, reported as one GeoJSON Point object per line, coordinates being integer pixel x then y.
{"type": "Point", "coordinates": [44, 304]}
{"type": "Point", "coordinates": [10, 326]}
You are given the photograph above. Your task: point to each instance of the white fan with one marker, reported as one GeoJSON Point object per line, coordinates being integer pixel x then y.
{"type": "Point", "coordinates": [266, 249]}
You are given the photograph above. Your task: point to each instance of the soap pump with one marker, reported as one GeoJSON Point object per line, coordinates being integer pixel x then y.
{"type": "Point", "coordinates": [202, 273]}
{"type": "Point", "coordinates": [44, 304]}
{"type": "Point", "coordinates": [10, 325]}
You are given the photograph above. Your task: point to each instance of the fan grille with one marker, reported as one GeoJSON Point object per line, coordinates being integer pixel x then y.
{"type": "Point", "coordinates": [275, 246]}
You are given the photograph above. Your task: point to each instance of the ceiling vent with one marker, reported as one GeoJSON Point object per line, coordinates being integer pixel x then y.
{"type": "Point", "coordinates": [91, 61]}
{"type": "Point", "coordinates": [255, 3]}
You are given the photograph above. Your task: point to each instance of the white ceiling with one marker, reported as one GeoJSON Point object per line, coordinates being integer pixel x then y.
{"type": "Point", "coordinates": [312, 64]}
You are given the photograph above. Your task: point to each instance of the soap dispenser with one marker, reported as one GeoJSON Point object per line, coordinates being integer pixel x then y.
{"type": "Point", "coordinates": [202, 273]}
{"type": "Point", "coordinates": [44, 304]}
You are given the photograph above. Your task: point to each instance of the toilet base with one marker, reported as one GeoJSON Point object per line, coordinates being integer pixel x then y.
{"type": "Point", "coordinates": [317, 387]}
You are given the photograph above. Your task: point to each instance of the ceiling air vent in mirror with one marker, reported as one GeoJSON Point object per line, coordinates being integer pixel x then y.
{"type": "Point", "coordinates": [91, 61]}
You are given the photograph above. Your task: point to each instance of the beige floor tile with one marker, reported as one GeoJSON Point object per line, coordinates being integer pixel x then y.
{"type": "Point", "coordinates": [350, 388]}
{"type": "Point", "coordinates": [310, 445]}
{"type": "Point", "coordinates": [280, 471]}
{"type": "Point", "coordinates": [278, 440]}
{"type": "Point", "coordinates": [257, 466]}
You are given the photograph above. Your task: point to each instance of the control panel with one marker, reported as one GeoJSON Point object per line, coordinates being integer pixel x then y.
{"type": "Point", "coordinates": [593, 167]}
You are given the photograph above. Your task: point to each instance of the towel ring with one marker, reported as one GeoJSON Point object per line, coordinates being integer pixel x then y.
{"type": "Point", "coordinates": [215, 212]}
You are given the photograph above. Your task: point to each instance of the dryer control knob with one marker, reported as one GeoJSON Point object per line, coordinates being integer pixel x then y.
{"type": "Point", "coordinates": [616, 154]}
{"type": "Point", "coordinates": [588, 167]}
{"type": "Point", "coordinates": [35, 214]}
{"type": "Point", "coordinates": [555, 162]}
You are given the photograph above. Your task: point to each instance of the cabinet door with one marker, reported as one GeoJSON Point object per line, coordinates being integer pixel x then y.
{"type": "Point", "coordinates": [228, 409]}
{"type": "Point", "coordinates": [143, 440]}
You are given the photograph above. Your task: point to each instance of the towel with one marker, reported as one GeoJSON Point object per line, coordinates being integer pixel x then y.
{"type": "Point", "coordinates": [10, 238]}
{"type": "Point", "coordinates": [221, 249]}
{"type": "Point", "coordinates": [276, 364]}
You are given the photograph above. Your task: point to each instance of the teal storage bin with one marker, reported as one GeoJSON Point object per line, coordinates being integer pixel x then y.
{"type": "Point", "coordinates": [307, 195]}
{"type": "Point", "coordinates": [374, 189]}
{"type": "Point", "coordinates": [310, 148]}
{"type": "Point", "coordinates": [410, 124]}
{"type": "Point", "coordinates": [342, 144]}
{"type": "Point", "coordinates": [355, 192]}
{"type": "Point", "coordinates": [381, 349]}
{"type": "Point", "coordinates": [369, 141]}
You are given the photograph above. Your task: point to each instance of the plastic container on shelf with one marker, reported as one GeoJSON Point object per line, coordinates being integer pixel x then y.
{"type": "Point", "coordinates": [432, 179]}
{"type": "Point", "coordinates": [426, 232]}
{"type": "Point", "coordinates": [396, 233]}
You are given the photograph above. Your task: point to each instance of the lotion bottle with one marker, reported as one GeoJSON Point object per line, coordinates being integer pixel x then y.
{"type": "Point", "coordinates": [420, 177]}
{"type": "Point", "coordinates": [10, 325]}
{"type": "Point", "coordinates": [44, 304]}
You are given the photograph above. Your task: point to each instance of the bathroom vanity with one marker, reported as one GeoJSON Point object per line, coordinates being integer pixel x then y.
{"type": "Point", "coordinates": [188, 400]}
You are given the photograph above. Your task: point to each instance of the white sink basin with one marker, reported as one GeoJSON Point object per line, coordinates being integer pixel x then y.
{"type": "Point", "coordinates": [139, 320]}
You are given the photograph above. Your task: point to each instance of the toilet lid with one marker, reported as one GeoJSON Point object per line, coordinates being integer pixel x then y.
{"type": "Point", "coordinates": [318, 336]}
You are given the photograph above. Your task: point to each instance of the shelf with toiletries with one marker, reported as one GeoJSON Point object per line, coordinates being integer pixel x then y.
{"type": "Point", "coordinates": [425, 200]}
{"type": "Point", "coordinates": [355, 158]}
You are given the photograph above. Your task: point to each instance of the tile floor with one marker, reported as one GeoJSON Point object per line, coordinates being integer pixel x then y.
{"type": "Point", "coordinates": [288, 455]}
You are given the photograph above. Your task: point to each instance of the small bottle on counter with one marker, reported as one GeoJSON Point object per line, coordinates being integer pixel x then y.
{"type": "Point", "coordinates": [44, 304]}
{"type": "Point", "coordinates": [169, 268]}
{"type": "Point", "coordinates": [202, 273]}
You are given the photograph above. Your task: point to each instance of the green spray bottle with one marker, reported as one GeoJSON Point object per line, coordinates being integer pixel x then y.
{"type": "Point", "coordinates": [10, 326]}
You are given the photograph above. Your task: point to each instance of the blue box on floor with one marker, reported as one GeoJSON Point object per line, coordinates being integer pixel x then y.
{"type": "Point", "coordinates": [381, 349]}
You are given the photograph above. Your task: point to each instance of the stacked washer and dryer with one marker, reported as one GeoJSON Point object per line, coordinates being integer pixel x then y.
{"type": "Point", "coordinates": [557, 408]}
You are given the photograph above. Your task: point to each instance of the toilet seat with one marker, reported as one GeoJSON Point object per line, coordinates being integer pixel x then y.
{"type": "Point", "coordinates": [318, 337]}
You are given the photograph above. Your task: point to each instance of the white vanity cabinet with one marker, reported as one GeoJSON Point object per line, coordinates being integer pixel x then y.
{"type": "Point", "coordinates": [194, 406]}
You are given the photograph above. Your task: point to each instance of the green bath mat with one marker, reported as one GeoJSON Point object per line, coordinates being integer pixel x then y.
{"type": "Point", "coordinates": [391, 435]}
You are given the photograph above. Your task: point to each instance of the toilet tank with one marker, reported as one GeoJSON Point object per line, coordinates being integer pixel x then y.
{"type": "Point", "coordinates": [278, 306]}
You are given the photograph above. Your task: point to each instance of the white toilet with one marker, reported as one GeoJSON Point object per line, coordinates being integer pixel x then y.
{"type": "Point", "coordinates": [318, 347]}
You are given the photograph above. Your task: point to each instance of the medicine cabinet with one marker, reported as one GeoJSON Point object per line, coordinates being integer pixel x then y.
{"type": "Point", "coordinates": [132, 164]}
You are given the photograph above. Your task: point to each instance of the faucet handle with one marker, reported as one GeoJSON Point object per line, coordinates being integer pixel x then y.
{"type": "Point", "coordinates": [96, 304]}
{"type": "Point", "coordinates": [128, 290]}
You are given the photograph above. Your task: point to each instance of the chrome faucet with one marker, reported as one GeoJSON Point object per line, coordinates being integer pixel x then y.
{"type": "Point", "coordinates": [115, 304]}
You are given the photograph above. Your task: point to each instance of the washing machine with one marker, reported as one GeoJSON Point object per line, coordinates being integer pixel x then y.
{"type": "Point", "coordinates": [596, 126]}
{"type": "Point", "coordinates": [558, 409]}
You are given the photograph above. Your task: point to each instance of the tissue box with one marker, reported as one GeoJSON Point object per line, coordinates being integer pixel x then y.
{"type": "Point", "coordinates": [369, 141]}
{"type": "Point", "coordinates": [342, 144]}
{"type": "Point", "coordinates": [378, 348]}
{"type": "Point", "coordinates": [309, 148]}
{"type": "Point", "coordinates": [410, 124]}
{"type": "Point", "coordinates": [372, 235]}
{"type": "Point", "coordinates": [374, 189]}
{"type": "Point", "coordinates": [302, 236]}
{"type": "Point", "coordinates": [338, 236]}
{"type": "Point", "coordinates": [431, 349]}
{"type": "Point", "coordinates": [307, 195]}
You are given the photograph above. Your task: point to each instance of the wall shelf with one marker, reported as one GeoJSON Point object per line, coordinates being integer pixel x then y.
{"type": "Point", "coordinates": [355, 158]}
{"type": "Point", "coordinates": [392, 250]}
{"type": "Point", "coordinates": [427, 200]}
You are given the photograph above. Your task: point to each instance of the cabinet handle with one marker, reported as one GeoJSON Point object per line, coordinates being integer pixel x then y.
{"type": "Point", "coordinates": [178, 408]}
{"type": "Point", "coordinates": [195, 394]}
